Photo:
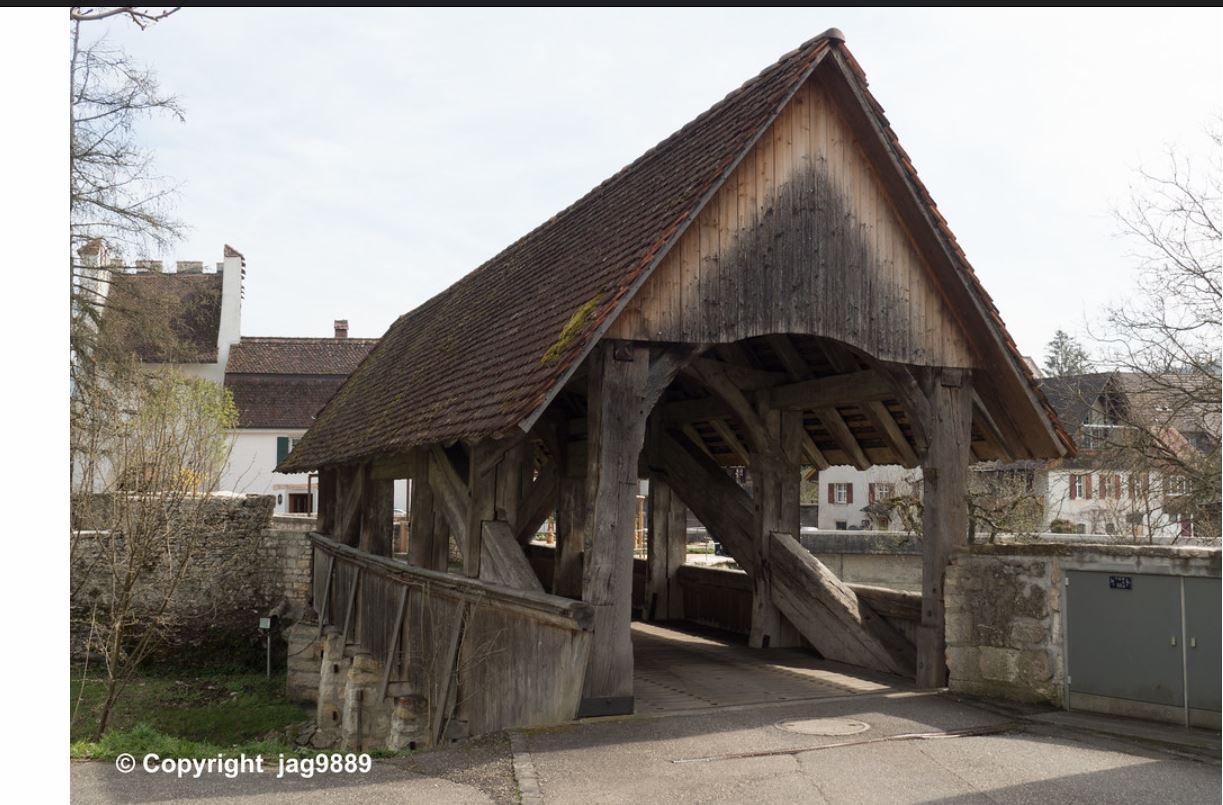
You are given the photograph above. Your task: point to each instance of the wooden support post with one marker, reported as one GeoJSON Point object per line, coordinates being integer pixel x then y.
{"type": "Point", "coordinates": [422, 525]}
{"type": "Point", "coordinates": [326, 501]}
{"type": "Point", "coordinates": [666, 552]}
{"type": "Point", "coordinates": [482, 488]}
{"type": "Point", "coordinates": [441, 542]}
{"type": "Point", "coordinates": [775, 491]}
{"type": "Point", "coordinates": [512, 477]}
{"type": "Point", "coordinates": [377, 514]}
{"type": "Point", "coordinates": [349, 483]}
{"type": "Point", "coordinates": [571, 520]}
{"type": "Point", "coordinates": [945, 513]}
{"type": "Point", "coordinates": [616, 414]}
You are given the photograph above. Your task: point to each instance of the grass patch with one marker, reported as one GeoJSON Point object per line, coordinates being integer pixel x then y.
{"type": "Point", "coordinates": [210, 711]}
{"type": "Point", "coordinates": [143, 739]}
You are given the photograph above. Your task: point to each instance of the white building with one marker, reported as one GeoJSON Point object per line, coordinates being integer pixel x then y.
{"type": "Point", "coordinates": [278, 385]}
{"type": "Point", "coordinates": [845, 495]}
{"type": "Point", "coordinates": [191, 318]}
{"type": "Point", "coordinates": [1085, 494]}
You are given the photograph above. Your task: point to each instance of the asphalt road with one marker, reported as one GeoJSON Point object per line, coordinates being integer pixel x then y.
{"type": "Point", "coordinates": [634, 760]}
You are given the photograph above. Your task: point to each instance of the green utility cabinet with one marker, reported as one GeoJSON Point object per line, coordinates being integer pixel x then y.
{"type": "Point", "coordinates": [1144, 645]}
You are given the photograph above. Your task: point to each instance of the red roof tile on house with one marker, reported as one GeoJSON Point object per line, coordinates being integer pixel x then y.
{"type": "Point", "coordinates": [298, 356]}
{"type": "Point", "coordinates": [284, 382]}
{"type": "Point", "coordinates": [280, 401]}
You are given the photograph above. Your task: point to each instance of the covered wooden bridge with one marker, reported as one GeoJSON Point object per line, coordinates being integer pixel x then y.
{"type": "Point", "coordinates": [771, 287]}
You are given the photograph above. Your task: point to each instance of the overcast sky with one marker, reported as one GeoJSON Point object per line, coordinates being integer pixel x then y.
{"type": "Point", "coordinates": [364, 160]}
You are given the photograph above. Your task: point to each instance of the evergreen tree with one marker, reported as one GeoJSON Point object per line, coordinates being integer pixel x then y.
{"type": "Point", "coordinates": [1065, 356]}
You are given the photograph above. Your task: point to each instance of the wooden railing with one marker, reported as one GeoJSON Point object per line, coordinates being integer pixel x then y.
{"type": "Point", "coordinates": [723, 598]}
{"type": "Point", "coordinates": [488, 655]}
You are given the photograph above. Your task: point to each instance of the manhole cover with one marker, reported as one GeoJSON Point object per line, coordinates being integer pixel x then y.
{"type": "Point", "coordinates": [824, 726]}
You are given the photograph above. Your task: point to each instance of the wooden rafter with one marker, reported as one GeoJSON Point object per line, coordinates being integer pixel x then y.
{"type": "Point", "coordinates": [834, 423]}
{"type": "Point", "coordinates": [799, 370]}
{"type": "Point", "coordinates": [885, 425]}
{"type": "Point", "coordinates": [732, 441]}
{"type": "Point", "coordinates": [715, 377]}
{"type": "Point", "coordinates": [989, 428]}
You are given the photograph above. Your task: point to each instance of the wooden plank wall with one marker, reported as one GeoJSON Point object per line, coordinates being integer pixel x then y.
{"type": "Point", "coordinates": [802, 238]}
{"type": "Point", "coordinates": [481, 657]}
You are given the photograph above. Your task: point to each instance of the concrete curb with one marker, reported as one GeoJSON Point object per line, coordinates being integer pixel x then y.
{"type": "Point", "coordinates": [529, 791]}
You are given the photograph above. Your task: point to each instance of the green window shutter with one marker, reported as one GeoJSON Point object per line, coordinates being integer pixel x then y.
{"type": "Point", "coordinates": [282, 448]}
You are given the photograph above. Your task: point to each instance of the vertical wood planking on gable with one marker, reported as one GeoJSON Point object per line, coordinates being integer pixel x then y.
{"type": "Point", "coordinates": [803, 150]}
{"type": "Point", "coordinates": [749, 215]}
{"type": "Point", "coordinates": [689, 270]}
{"type": "Point", "coordinates": [776, 281]}
{"type": "Point", "coordinates": [801, 238]}
{"type": "Point", "coordinates": [728, 228]}
{"type": "Point", "coordinates": [707, 243]}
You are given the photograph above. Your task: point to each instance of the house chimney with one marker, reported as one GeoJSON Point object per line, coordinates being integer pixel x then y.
{"type": "Point", "coordinates": [232, 271]}
{"type": "Point", "coordinates": [341, 328]}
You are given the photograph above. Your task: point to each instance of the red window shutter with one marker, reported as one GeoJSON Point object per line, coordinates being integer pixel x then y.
{"type": "Point", "coordinates": [870, 493]}
{"type": "Point", "coordinates": [1087, 486]}
{"type": "Point", "coordinates": [832, 493]}
{"type": "Point", "coordinates": [1117, 487]}
{"type": "Point", "coordinates": [849, 493]}
{"type": "Point", "coordinates": [1074, 482]}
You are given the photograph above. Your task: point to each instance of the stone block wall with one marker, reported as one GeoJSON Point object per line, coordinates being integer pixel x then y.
{"type": "Point", "coordinates": [245, 564]}
{"type": "Point", "coordinates": [1004, 627]}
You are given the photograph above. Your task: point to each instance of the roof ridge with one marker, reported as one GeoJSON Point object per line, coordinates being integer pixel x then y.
{"type": "Point", "coordinates": [327, 338]}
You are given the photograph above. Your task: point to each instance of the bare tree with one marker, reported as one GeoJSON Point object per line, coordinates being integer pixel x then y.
{"type": "Point", "coordinates": [1000, 500]}
{"type": "Point", "coordinates": [160, 447]}
{"type": "Point", "coordinates": [1165, 340]}
{"type": "Point", "coordinates": [147, 444]}
{"type": "Point", "coordinates": [117, 201]}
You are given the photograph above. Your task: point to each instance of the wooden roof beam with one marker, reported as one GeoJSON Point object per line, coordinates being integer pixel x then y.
{"type": "Point", "coordinates": [824, 392]}
{"type": "Point", "coordinates": [682, 412]}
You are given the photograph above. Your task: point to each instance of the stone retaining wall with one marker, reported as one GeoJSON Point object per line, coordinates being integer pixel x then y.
{"type": "Point", "coordinates": [246, 564]}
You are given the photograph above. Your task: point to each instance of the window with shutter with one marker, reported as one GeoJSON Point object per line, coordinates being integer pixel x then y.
{"type": "Point", "coordinates": [282, 448]}
{"type": "Point", "coordinates": [870, 493]}
{"type": "Point", "coordinates": [1074, 486]}
{"type": "Point", "coordinates": [832, 493]}
{"type": "Point", "coordinates": [849, 493]}
{"type": "Point", "coordinates": [1087, 487]}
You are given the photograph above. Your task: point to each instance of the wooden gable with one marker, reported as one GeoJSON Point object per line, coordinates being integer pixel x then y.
{"type": "Point", "coordinates": [801, 238]}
